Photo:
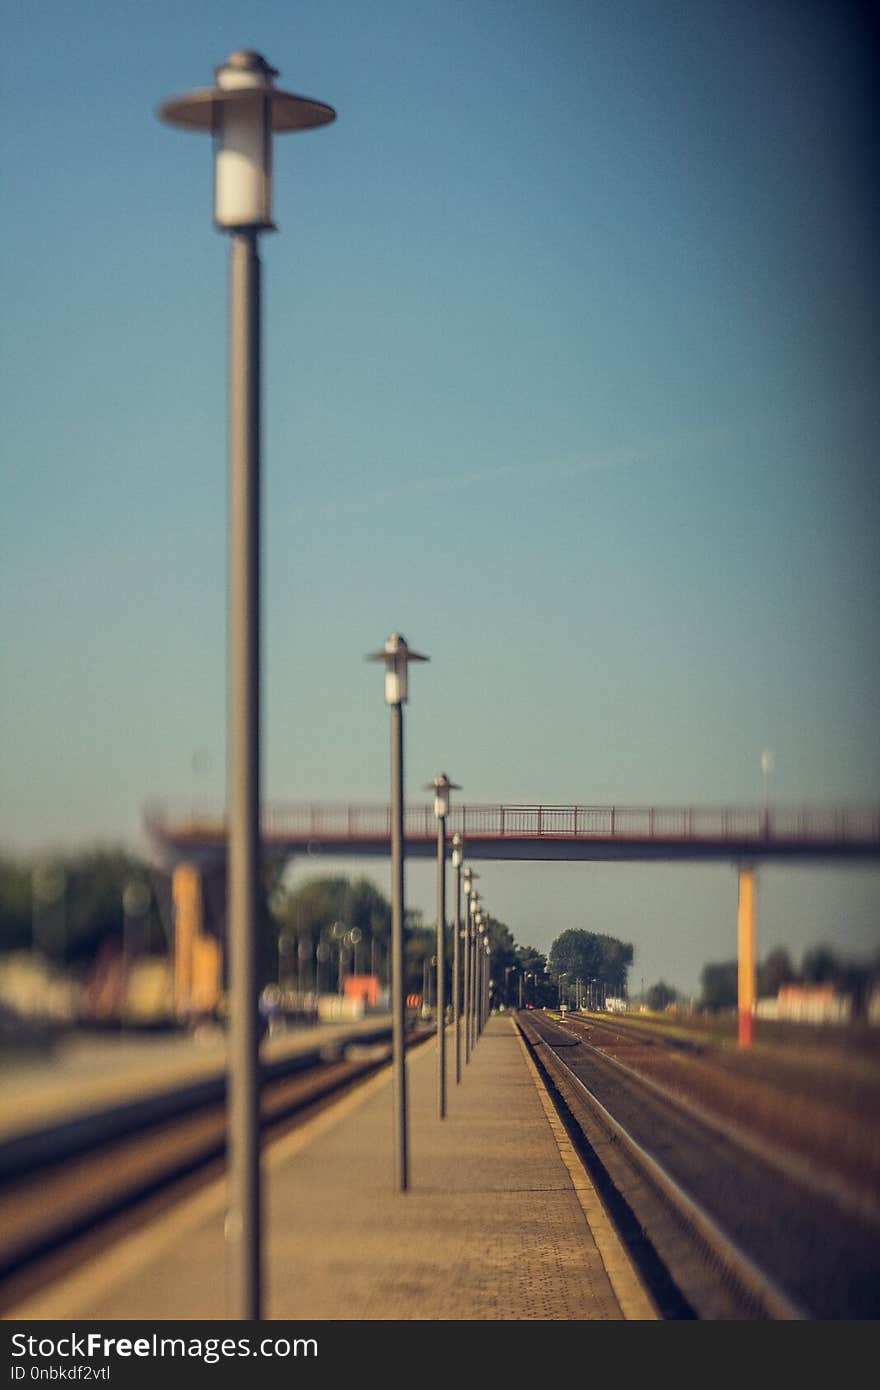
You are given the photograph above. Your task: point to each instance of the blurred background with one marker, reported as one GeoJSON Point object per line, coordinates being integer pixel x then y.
{"type": "Point", "coordinates": [570, 362]}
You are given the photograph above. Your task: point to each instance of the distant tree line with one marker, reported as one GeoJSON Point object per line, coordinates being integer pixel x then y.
{"type": "Point", "coordinates": [67, 906]}
{"type": "Point", "coordinates": [71, 906]}
{"type": "Point", "coordinates": [820, 965]}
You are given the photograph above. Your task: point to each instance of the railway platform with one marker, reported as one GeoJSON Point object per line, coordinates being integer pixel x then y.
{"type": "Point", "coordinates": [500, 1221]}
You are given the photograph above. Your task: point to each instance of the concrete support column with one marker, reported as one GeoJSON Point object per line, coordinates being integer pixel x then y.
{"type": "Point", "coordinates": [746, 959]}
{"type": "Point", "coordinates": [197, 974]}
{"type": "Point", "coordinates": [186, 893]}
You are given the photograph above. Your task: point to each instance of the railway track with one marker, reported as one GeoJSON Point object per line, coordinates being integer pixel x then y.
{"type": "Point", "coordinates": [71, 1190]}
{"type": "Point", "coordinates": [724, 1221]}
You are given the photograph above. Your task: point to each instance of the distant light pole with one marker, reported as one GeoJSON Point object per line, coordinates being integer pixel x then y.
{"type": "Point", "coordinates": [481, 975]}
{"type": "Point", "coordinates": [456, 953]}
{"type": "Point", "coordinates": [242, 112]}
{"type": "Point", "coordinates": [397, 656]}
{"type": "Point", "coordinates": [477, 976]}
{"type": "Point", "coordinates": [135, 905]}
{"type": "Point", "coordinates": [355, 936]}
{"type": "Point", "coordinates": [476, 917]}
{"type": "Point", "coordinates": [563, 974]}
{"type": "Point", "coordinates": [487, 1007]}
{"type": "Point", "coordinates": [469, 906]}
{"type": "Point", "coordinates": [766, 769]}
{"type": "Point", "coordinates": [441, 787]}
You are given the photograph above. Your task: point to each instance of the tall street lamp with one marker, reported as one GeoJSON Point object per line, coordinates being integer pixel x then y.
{"type": "Point", "coordinates": [397, 656]}
{"type": "Point", "coordinates": [441, 787]}
{"type": "Point", "coordinates": [468, 877]}
{"type": "Point", "coordinates": [479, 939]}
{"type": "Point", "coordinates": [456, 953]}
{"type": "Point", "coordinates": [243, 111]}
{"type": "Point", "coordinates": [766, 769]}
{"type": "Point", "coordinates": [472, 969]}
{"type": "Point", "coordinates": [563, 975]}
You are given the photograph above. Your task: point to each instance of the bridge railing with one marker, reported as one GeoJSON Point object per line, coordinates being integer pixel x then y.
{"type": "Point", "coordinates": [362, 821]}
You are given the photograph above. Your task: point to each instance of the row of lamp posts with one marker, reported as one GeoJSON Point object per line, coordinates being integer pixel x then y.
{"type": "Point", "coordinates": [242, 111]}
{"type": "Point", "coordinates": [396, 655]}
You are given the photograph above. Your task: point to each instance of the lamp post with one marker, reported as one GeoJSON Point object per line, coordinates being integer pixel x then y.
{"type": "Point", "coordinates": [472, 949]}
{"type": "Point", "coordinates": [456, 953]}
{"type": "Point", "coordinates": [441, 787]}
{"type": "Point", "coordinates": [766, 769]}
{"type": "Point", "coordinates": [468, 877]}
{"type": "Point", "coordinates": [242, 112]}
{"type": "Point", "coordinates": [487, 1006]}
{"type": "Point", "coordinates": [397, 656]}
{"type": "Point", "coordinates": [479, 974]}
{"type": "Point", "coordinates": [135, 905]}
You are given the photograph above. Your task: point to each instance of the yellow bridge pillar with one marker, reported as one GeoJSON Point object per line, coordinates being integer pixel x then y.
{"type": "Point", "coordinates": [746, 962]}
{"type": "Point", "coordinates": [197, 956]}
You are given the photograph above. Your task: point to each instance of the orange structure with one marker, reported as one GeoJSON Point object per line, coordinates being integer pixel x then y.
{"type": "Point", "coordinates": [365, 987]}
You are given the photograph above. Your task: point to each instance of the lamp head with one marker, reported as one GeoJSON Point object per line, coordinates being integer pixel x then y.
{"type": "Point", "coordinates": [242, 111]}
{"type": "Point", "coordinates": [441, 787]}
{"type": "Point", "coordinates": [397, 655]}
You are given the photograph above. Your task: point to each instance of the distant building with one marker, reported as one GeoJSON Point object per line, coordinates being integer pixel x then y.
{"type": "Point", "coordinates": [615, 1006]}
{"type": "Point", "coordinates": [364, 987]}
{"type": "Point", "coordinates": [807, 1004]}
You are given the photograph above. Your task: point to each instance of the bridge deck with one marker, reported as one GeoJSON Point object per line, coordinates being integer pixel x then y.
{"type": "Point", "coordinates": [546, 832]}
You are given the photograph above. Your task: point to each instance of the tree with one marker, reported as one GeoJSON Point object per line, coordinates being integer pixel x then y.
{"type": "Point", "coordinates": [309, 924]}
{"type": "Point", "coordinates": [583, 955]}
{"type": "Point", "coordinates": [776, 970]}
{"type": "Point", "coordinates": [15, 903]}
{"type": "Point", "coordinates": [660, 996]}
{"type": "Point", "coordinates": [537, 989]}
{"type": "Point", "coordinates": [720, 985]}
{"type": "Point", "coordinates": [503, 963]}
{"type": "Point", "coordinates": [821, 965]}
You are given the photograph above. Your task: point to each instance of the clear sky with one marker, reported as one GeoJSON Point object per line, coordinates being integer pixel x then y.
{"type": "Point", "coordinates": [571, 357]}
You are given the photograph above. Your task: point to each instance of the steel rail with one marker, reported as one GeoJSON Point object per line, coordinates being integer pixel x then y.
{"type": "Point", "coordinates": [848, 1197]}
{"type": "Point", "coordinates": [757, 1287]}
{"type": "Point", "coordinates": [178, 1158]}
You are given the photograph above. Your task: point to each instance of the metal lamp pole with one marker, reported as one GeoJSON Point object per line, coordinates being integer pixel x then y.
{"type": "Point", "coordinates": [397, 656]}
{"type": "Point", "coordinates": [478, 974]}
{"type": "Point", "coordinates": [468, 876]}
{"type": "Point", "coordinates": [484, 991]}
{"type": "Point", "coordinates": [242, 112]}
{"type": "Point", "coordinates": [456, 954]}
{"type": "Point", "coordinates": [472, 951]}
{"type": "Point", "coordinates": [441, 787]}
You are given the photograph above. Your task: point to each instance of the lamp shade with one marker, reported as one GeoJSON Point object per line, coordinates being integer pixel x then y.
{"type": "Point", "coordinates": [441, 787]}
{"type": "Point", "coordinates": [397, 655]}
{"type": "Point", "coordinates": [242, 111]}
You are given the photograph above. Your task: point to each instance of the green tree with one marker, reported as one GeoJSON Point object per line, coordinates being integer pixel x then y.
{"type": "Point", "coordinates": [660, 996]}
{"type": "Point", "coordinates": [537, 989]}
{"type": "Point", "coordinates": [312, 926]}
{"type": "Point", "coordinates": [503, 962]}
{"type": "Point", "coordinates": [821, 965]}
{"type": "Point", "coordinates": [583, 955]}
{"type": "Point", "coordinates": [15, 903]}
{"type": "Point", "coordinates": [719, 981]}
{"type": "Point", "coordinates": [776, 970]}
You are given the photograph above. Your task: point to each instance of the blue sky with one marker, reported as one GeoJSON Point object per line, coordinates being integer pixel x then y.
{"type": "Point", "coordinates": [570, 362]}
